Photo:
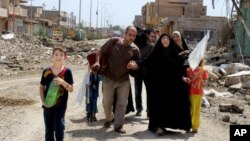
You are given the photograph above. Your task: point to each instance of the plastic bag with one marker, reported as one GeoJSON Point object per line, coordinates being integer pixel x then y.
{"type": "Point", "coordinates": [205, 102]}
{"type": "Point", "coordinates": [51, 97]}
{"type": "Point", "coordinates": [198, 53]}
{"type": "Point", "coordinates": [82, 90]}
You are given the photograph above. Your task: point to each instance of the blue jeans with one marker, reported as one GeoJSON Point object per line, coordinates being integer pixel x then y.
{"type": "Point", "coordinates": [54, 122]}
{"type": "Point", "coordinates": [138, 94]}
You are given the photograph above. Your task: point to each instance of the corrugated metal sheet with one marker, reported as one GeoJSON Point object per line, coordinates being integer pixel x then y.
{"type": "Point", "coordinates": [241, 37]}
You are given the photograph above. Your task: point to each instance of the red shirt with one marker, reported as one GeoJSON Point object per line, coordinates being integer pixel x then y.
{"type": "Point", "coordinates": [197, 77]}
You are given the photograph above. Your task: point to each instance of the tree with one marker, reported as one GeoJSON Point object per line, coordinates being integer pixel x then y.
{"type": "Point", "coordinates": [117, 27]}
{"type": "Point", "coordinates": [80, 25]}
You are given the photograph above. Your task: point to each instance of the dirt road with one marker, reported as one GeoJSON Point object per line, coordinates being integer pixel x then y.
{"type": "Point", "coordinates": [21, 117]}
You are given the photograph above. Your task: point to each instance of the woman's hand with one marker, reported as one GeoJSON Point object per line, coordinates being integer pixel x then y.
{"type": "Point", "coordinates": [183, 53]}
{"type": "Point", "coordinates": [186, 80]}
{"type": "Point", "coordinates": [132, 65]}
{"type": "Point", "coordinates": [95, 66]}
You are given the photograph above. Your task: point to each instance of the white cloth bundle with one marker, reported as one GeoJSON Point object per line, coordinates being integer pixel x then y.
{"type": "Point", "coordinates": [82, 90]}
{"type": "Point", "coordinates": [198, 53]}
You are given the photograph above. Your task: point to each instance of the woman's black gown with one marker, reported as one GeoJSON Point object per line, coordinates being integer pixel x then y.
{"type": "Point", "coordinates": [169, 106]}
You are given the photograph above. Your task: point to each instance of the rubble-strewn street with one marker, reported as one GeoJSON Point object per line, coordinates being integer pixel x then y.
{"type": "Point", "coordinates": [30, 53]}
{"type": "Point", "coordinates": [23, 58]}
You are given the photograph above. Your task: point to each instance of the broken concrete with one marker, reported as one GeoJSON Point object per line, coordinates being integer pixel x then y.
{"type": "Point", "coordinates": [26, 52]}
{"type": "Point", "coordinates": [230, 108]}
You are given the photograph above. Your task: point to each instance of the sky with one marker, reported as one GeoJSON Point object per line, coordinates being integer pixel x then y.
{"type": "Point", "coordinates": [115, 12]}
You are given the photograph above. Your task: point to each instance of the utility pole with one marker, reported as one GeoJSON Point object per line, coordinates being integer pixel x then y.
{"type": "Point", "coordinates": [44, 5]}
{"type": "Point", "coordinates": [59, 13]}
{"type": "Point", "coordinates": [90, 14]}
{"type": "Point", "coordinates": [101, 19]}
{"type": "Point", "coordinates": [31, 17]}
{"type": "Point", "coordinates": [14, 3]}
{"type": "Point", "coordinates": [97, 13]}
{"type": "Point", "coordinates": [80, 10]}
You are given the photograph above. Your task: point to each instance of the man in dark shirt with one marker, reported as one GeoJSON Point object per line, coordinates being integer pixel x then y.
{"type": "Point", "coordinates": [145, 46]}
{"type": "Point", "coordinates": [117, 78]}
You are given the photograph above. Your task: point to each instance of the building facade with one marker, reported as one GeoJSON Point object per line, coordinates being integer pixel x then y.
{"type": "Point", "coordinates": [187, 16]}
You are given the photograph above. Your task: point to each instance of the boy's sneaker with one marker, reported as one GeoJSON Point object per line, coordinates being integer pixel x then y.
{"type": "Point", "coordinates": [120, 130]}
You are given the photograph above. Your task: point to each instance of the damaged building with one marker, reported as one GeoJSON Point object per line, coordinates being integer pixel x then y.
{"type": "Point", "coordinates": [187, 16]}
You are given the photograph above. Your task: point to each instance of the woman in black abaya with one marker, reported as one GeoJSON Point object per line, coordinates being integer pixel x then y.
{"type": "Point", "coordinates": [168, 107]}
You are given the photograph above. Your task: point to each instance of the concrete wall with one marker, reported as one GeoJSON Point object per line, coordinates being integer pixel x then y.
{"type": "Point", "coordinates": [195, 28]}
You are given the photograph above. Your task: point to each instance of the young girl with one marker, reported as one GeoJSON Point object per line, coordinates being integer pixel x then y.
{"type": "Point", "coordinates": [56, 81]}
{"type": "Point", "coordinates": [92, 93]}
{"type": "Point", "coordinates": [197, 77]}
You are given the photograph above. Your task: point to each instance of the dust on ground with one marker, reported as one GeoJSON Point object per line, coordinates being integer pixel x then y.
{"type": "Point", "coordinates": [21, 117]}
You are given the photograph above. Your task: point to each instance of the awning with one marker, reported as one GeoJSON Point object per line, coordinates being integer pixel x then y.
{"type": "Point", "coordinates": [3, 13]}
{"type": "Point", "coordinates": [45, 21]}
{"type": "Point", "coordinates": [30, 21]}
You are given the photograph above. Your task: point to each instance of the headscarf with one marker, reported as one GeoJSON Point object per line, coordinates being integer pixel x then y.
{"type": "Point", "coordinates": [159, 46]}
{"type": "Point", "coordinates": [141, 36]}
{"type": "Point", "coordinates": [182, 43]}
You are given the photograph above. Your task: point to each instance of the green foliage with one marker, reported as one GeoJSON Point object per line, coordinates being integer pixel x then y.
{"type": "Point", "coordinates": [91, 36]}
{"type": "Point", "coordinates": [80, 25]}
{"type": "Point", "coordinates": [41, 32]}
{"type": "Point", "coordinates": [116, 27]}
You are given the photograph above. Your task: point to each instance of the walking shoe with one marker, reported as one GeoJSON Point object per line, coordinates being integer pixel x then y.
{"type": "Point", "coordinates": [187, 130]}
{"type": "Point", "coordinates": [107, 124]}
{"type": "Point", "coordinates": [194, 131]}
{"type": "Point", "coordinates": [120, 130]}
{"type": "Point", "coordinates": [94, 119]}
{"type": "Point", "coordinates": [159, 132]}
{"type": "Point", "coordinates": [147, 115]}
{"type": "Point", "coordinates": [89, 116]}
{"type": "Point", "coordinates": [138, 114]}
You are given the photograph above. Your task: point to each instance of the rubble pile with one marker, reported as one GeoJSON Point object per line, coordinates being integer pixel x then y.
{"type": "Point", "coordinates": [26, 52]}
{"type": "Point", "coordinates": [234, 76]}
{"type": "Point", "coordinates": [228, 87]}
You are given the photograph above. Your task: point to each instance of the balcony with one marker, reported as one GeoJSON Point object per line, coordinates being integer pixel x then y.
{"type": "Point", "coordinates": [63, 14]}
{"type": "Point", "coordinates": [13, 11]}
{"type": "Point", "coordinates": [23, 12]}
{"type": "Point", "coordinates": [23, 1]}
{"type": "Point", "coordinates": [18, 11]}
{"type": "Point", "coordinates": [3, 12]}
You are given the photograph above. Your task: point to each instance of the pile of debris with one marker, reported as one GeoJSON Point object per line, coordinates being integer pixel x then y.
{"type": "Point", "coordinates": [228, 88]}
{"type": "Point", "coordinates": [25, 52]}
{"type": "Point", "coordinates": [234, 76]}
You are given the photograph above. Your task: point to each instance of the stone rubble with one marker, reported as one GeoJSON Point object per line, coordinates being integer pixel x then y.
{"type": "Point", "coordinates": [26, 52]}
{"type": "Point", "coordinates": [228, 78]}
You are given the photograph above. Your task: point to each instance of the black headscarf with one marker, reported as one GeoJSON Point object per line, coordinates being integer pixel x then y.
{"type": "Point", "coordinates": [157, 54]}
{"type": "Point", "coordinates": [141, 36]}
{"type": "Point", "coordinates": [159, 46]}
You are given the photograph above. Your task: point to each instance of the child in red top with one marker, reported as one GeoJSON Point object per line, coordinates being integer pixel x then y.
{"type": "Point", "coordinates": [197, 77]}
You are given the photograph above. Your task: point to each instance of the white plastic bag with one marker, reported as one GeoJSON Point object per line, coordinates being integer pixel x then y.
{"type": "Point", "coordinates": [205, 102]}
{"type": "Point", "coordinates": [82, 90]}
{"type": "Point", "coordinates": [198, 53]}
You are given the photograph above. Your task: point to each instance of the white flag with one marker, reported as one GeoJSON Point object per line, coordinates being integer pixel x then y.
{"type": "Point", "coordinates": [198, 53]}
